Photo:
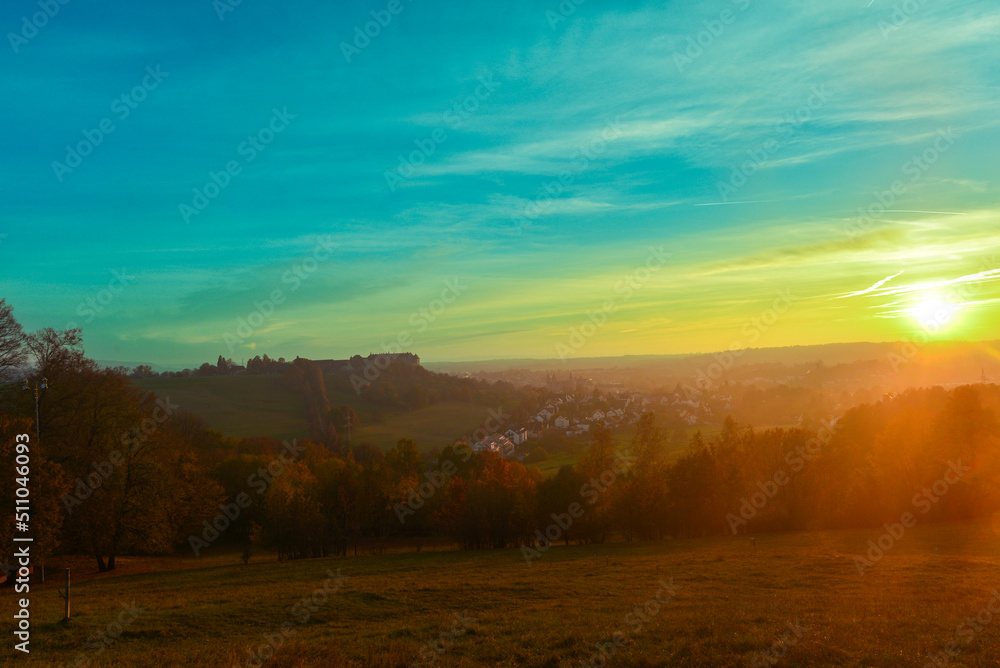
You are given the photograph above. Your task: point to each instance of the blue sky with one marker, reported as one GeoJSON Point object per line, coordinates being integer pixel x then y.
{"type": "Point", "coordinates": [830, 104]}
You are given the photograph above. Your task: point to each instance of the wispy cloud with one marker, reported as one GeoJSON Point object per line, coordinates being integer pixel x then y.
{"type": "Point", "coordinates": [874, 287]}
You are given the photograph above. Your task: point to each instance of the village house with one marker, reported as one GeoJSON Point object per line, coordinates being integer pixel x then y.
{"type": "Point", "coordinates": [517, 435]}
{"type": "Point", "coordinates": [497, 443]}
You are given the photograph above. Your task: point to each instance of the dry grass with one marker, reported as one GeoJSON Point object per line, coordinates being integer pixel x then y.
{"type": "Point", "coordinates": [732, 603]}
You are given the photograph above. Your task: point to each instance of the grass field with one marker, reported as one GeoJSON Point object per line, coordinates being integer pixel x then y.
{"type": "Point", "coordinates": [434, 426]}
{"type": "Point", "coordinates": [240, 406]}
{"type": "Point", "coordinates": [551, 466]}
{"type": "Point", "coordinates": [237, 406]}
{"type": "Point", "coordinates": [798, 595]}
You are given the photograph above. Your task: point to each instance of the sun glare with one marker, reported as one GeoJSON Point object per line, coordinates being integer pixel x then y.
{"type": "Point", "coordinates": [934, 314]}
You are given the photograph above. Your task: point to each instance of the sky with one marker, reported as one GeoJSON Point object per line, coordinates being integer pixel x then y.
{"type": "Point", "coordinates": [498, 180]}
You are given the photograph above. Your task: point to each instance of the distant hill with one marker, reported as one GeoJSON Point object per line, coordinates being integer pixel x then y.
{"type": "Point", "coordinates": [237, 406]}
{"type": "Point", "coordinates": [832, 353]}
{"type": "Point", "coordinates": [110, 364]}
{"type": "Point", "coordinates": [403, 401]}
{"type": "Point", "coordinates": [434, 408]}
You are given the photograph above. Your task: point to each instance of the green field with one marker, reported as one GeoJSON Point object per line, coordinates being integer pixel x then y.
{"type": "Point", "coordinates": [732, 601]}
{"type": "Point", "coordinates": [434, 426]}
{"type": "Point", "coordinates": [237, 406]}
{"type": "Point", "coordinates": [551, 466]}
{"type": "Point", "coordinates": [241, 406]}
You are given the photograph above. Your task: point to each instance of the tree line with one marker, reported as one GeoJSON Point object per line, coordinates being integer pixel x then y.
{"type": "Point", "coordinates": [116, 470]}
{"type": "Point", "coordinates": [878, 461]}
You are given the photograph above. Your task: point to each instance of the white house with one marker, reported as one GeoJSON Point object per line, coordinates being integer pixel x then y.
{"type": "Point", "coordinates": [517, 435]}
{"type": "Point", "coordinates": [497, 443]}
{"type": "Point", "coordinates": [562, 422]}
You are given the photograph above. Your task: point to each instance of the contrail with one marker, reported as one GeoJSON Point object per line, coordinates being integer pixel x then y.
{"type": "Point", "coordinates": [872, 288]}
{"type": "Point", "coordinates": [946, 213]}
{"type": "Point", "coordinates": [753, 201]}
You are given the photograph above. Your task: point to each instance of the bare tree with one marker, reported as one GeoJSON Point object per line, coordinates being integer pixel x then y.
{"type": "Point", "coordinates": [52, 348]}
{"type": "Point", "coordinates": [12, 352]}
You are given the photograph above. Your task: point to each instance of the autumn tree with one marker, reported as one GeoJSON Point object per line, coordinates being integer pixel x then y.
{"type": "Point", "coordinates": [46, 481]}
{"type": "Point", "coordinates": [643, 499]}
{"type": "Point", "coordinates": [599, 461]}
{"type": "Point", "coordinates": [307, 377]}
{"type": "Point", "coordinates": [293, 512]}
{"type": "Point", "coordinates": [556, 495]}
{"type": "Point", "coordinates": [492, 503]}
{"type": "Point", "coordinates": [133, 483]}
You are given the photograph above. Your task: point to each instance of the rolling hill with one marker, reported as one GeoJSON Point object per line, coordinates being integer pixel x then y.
{"type": "Point", "coordinates": [262, 405]}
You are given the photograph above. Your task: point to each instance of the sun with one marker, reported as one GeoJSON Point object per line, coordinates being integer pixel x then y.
{"type": "Point", "coordinates": [934, 313]}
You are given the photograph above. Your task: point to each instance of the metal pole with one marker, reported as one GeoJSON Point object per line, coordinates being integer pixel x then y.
{"type": "Point", "coordinates": [38, 431]}
{"type": "Point", "coordinates": [67, 594]}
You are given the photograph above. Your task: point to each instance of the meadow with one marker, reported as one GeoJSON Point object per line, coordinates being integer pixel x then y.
{"type": "Point", "coordinates": [792, 599]}
{"type": "Point", "coordinates": [246, 406]}
{"type": "Point", "coordinates": [237, 406]}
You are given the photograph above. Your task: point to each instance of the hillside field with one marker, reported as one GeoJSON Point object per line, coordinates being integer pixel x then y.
{"type": "Point", "coordinates": [722, 602]}
{"type": "Point", "coordinates": [241, 406]}
{"type": "Point", "coordinates": [237, 406]}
